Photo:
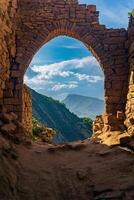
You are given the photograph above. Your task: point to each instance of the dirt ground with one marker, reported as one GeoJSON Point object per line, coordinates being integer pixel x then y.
{"type": "Point", "coordinates": [77, 171]}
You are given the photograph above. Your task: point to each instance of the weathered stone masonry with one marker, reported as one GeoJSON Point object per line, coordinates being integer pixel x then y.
{"type": "Point", "coordinates": [27, 109]}
{"type": "Point", "coordinates": [7, 42]}
{"type": "Point", "coordinates": [130, 97]}
{"type": "Point", "coordinates": [38, 21]}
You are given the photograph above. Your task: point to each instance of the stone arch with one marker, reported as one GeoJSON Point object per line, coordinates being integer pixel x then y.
{"type": "Point", "coordinates": [85, 35]}
{"type": "Point", "coordinates": [39, 21]}
{"type": "Point", "coordinates": [82, 34]}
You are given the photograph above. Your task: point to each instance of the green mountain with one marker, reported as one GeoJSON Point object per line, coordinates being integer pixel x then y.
{"type": "Point", "coordinates": [84, 106]}
{"type": "Point", "coordinates": [54, 114]}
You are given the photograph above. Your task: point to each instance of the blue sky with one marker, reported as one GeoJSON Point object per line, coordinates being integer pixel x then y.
{"type": "Point", "coordinates": [65, 66]}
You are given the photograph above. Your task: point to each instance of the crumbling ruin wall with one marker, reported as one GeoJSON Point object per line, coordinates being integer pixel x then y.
{"type": "Point", "coordinates": [130, 97]}
{"type": "Point", "coordinates": [40, 21]}
{"type": "Point", "coordinates": [27, 110]}
{"type": "Point", "coordinates": [31, 24]}
{"type": "Point", "coordinates": [7, 44]}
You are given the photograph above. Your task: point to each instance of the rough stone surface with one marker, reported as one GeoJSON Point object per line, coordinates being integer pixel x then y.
{"type": "Point", "coordinates": [11, 128]}
{"type": "Point", "coordinates": [7, 42]}
{"type": "Point", "coordinates": [28, 25]}
{"type": "Point", "coordinates": [129, 122]}
{"type": "Point", "coordinates": [27, 110]}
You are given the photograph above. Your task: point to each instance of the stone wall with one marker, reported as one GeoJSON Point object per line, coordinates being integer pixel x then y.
{"type": "Point", "coordinates": [27, 110]}
{"type": "Point", "coordinates": [40, 21]}
{"type": "Point", "coordinates": [28, 25]}
{"type": "Point", "coordinates": [130, 97]}
{"type": "Point", "coordinates": [7, 42]}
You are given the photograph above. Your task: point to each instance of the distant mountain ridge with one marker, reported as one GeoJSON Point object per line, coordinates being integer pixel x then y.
{"type": "Point", "coordinates": [84, 106]}
{"type": "Point", "coordinates": [55, 115]}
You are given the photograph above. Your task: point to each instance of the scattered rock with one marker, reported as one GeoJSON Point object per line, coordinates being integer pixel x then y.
{"type": "Point", "coordinates": [110, 195]}
{"type": "Point", "coordinates": [81, 174]}
{"type": "Point", "coordinates": [104, 152]}
{"type": "Point", "coordinates": [125, 140]}
{"type": "Point", "coordinates": [67, 147]}
{"type": "Point", "coordinates": [5, 117]}
{"type": "Point", "coordinates": [11, 128]}
{"type": "Point", "coordinates": [8, 128]}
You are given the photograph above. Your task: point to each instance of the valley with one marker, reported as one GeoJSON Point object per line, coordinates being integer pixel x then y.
{"type": "Point", "coordinates": [53, 114]}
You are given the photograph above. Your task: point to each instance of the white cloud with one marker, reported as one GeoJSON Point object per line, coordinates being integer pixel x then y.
{"type": "Point", "coordinates": [60, 86]}
{"type": "Point", "coordinates": [37, 83]}
{"type": "Point", "coordinates": [69, 71]}
{"type": "Point", "coordinates": [88, 78]}
{"type": "Point", "coordinates": [71, 46]}
{"type": "Point", "coordinates": [63, 68]}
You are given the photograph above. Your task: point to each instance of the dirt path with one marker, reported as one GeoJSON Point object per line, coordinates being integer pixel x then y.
{"type": "Point", "coordinates": [79, 171]}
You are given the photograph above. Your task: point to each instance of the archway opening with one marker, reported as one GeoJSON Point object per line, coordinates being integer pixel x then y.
{"type": "Point", "coordinates": [67, 87]}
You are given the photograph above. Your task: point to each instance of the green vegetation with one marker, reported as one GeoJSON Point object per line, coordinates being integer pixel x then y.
{"type": "Point", "coordinates": [42, 132]}
{"type": "Point", "coordinates": [131, 13]}
{"type": "Point", "coordinates": [37, 128]}
{"type": "Point", "coordinates": [87, 121]}
{"type": "Point", "coordinates": [53, 114]}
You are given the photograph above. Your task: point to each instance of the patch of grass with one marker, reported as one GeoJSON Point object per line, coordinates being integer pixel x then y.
{"type": "Point", "coordinates": [34, 138]}
{"type": "Point", "coordinates": [131, 13]}
{"type": "Point", "coordinates": [87, 121]}
{"type": "Point", "coordinates": [37, 129]}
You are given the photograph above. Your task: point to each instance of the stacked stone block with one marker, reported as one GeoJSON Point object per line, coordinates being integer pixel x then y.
{"type": "Point", "coordinates": [41, 21]}
{"type": "Point", "coordinates": [28, 25]}
{"type": "Point", "coordinates": [7, 42]}
{"type": "Point", "coordinates": [129, 122]}
{"type": "Point", "coordinates": [27, 110]}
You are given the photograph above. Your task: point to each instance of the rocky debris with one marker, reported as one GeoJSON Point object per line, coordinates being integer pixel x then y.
{"type": "Point", "coordinates": [109, 195]}
{"type": "Point", "coordinates": [98, 125]}
{"type": "Point", "coordinates": [47, 135]}
{"type": "Point", "coordinates": [7, 118]}
{"type": "Point", "coordinates": [8, 128]}
{"type": "Point", "coordinates": [11, 128]}
{"type": "Point", "coordinates": [108, 128]}
{"type": "Point", "coordinates": [41, 132]}
{"type": "Point", "coordinates": [110, 122]}
{"type": "Point", "coordinates": [113, 138]}
{"type": "Point", "coordinates": [67, 147]}
{"type": "Point", "coordinates": [127, 142]}
{"type": "Point", "coordinates": [9, 151]}
{"type": "Point", "coordinates": [117, 134]}
{"type": "Point", "coordinates": [129, 122]}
